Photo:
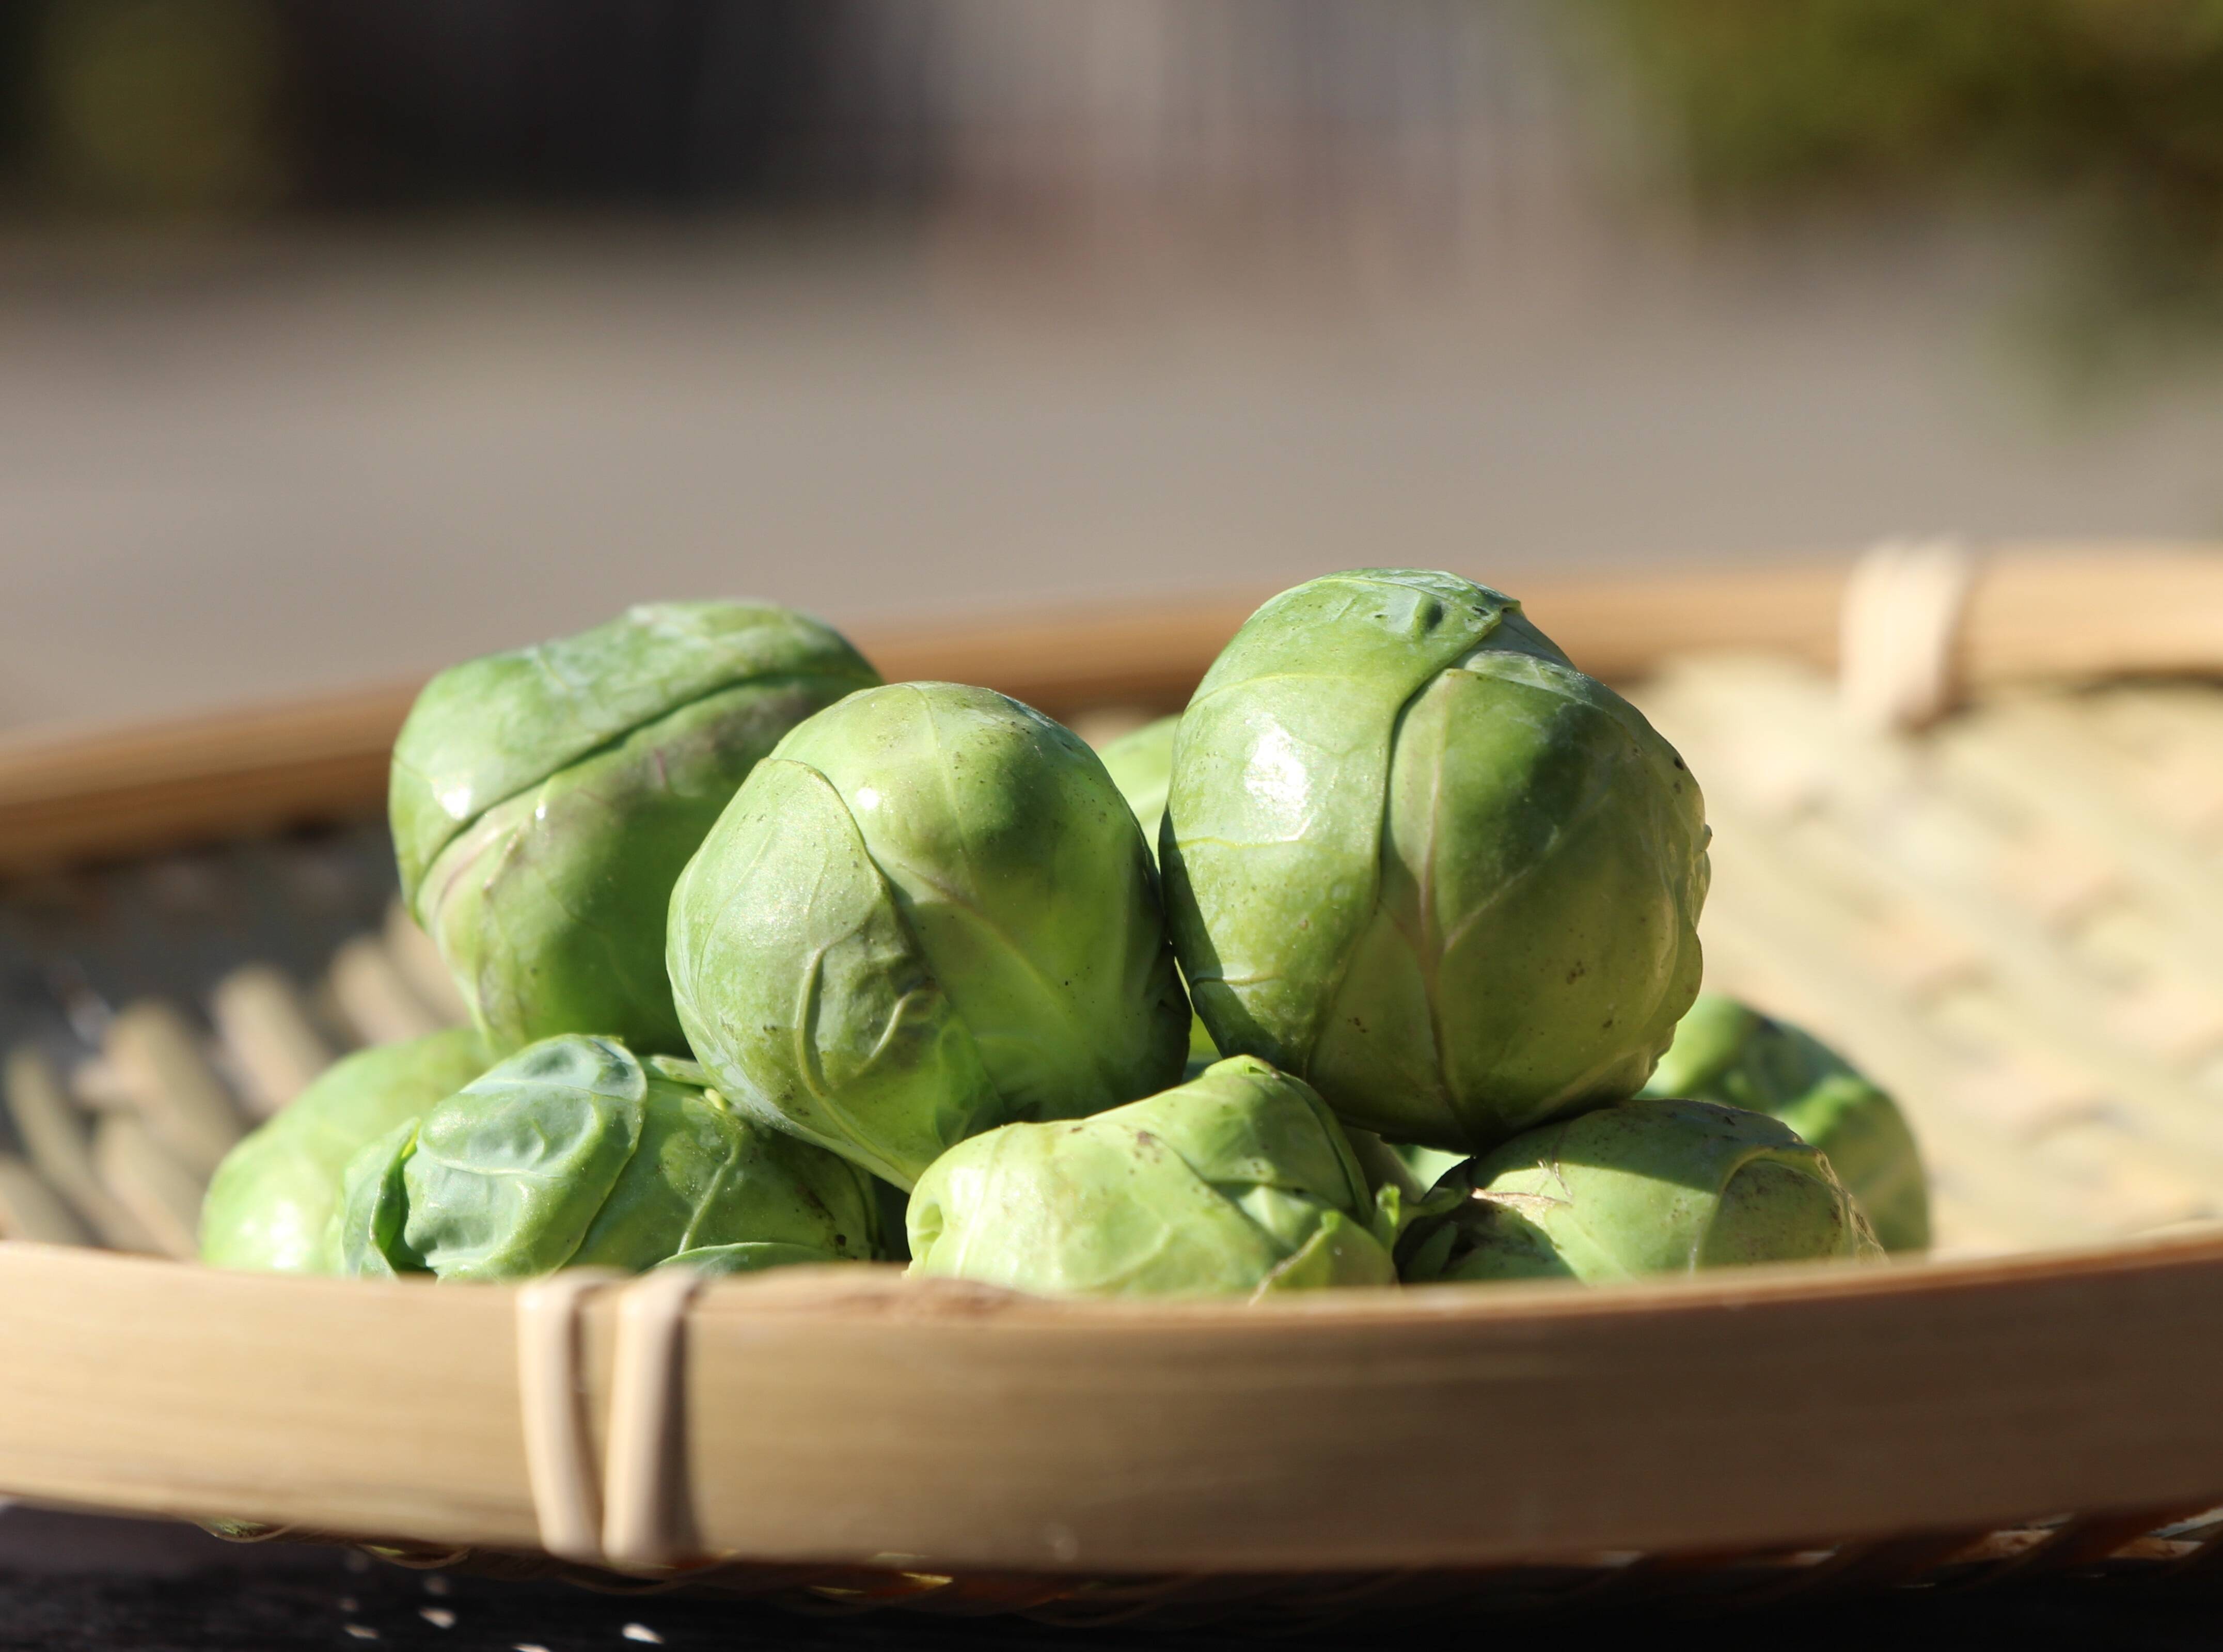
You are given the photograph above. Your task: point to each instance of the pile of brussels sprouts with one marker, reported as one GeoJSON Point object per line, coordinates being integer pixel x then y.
{"type": "Point", "coordinates": [1377, 963]}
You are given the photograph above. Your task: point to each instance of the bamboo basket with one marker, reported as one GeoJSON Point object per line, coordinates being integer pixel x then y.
{"type": "Point", "coordinates": [2011, 916]}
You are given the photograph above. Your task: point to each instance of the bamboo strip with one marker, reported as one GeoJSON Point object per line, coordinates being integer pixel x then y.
{"type": "Point", "coordinates": [2145, 1190]}
{"type": "Point", "coordinates": [274, 1044]}
{"type": "Point", "coordinates": [148, 1387]}
{"type": "Point", "coordinates": [2048, 758]}
{"type": "Point", "coordinates": [52, 1132]}
{"type": "Point", "coordinates": [1908, 844]}
{"type": "Point", "coordinates": [373, 997]}
{"type": "Point", "coordinates": [1902, 611]}
{"type": "Point", "coordinates": [422, 966]}
{"type": "Point", "coordinates": [149, 1181]}
{"type": "Point", "coordinates": [1980, 1167]}
{"type": "Point", "coordinates": [799, 1451]}
{"type": "Point", "coordinates": [2171, 739]}
{"type": "Point", "coordinates": [29, 1210]}
{"type": "Point", "coordinates": [1984, 1201]}
{"type": "Point", "coordinates": [157, 1059]}
{"type": "Point", "coordinates": [1198, 1433]}
{"type": "Point", "coordinates": [559, 1451]}
{"type": "Point", "coordinates": [101, 1086]}
{"type": "Point", "coordinates": [2062, 613]}
{"type": "Point", "coordinates": [2053, 1011]}
{"type": "Point", "coordinates": [2085, 1002]}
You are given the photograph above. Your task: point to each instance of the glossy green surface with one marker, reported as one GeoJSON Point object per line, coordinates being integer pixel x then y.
{"type": "Point", "coordinates": [1725, 1051]}
{"type": "Point", "coordinates": [1644, 1186]}
{"type": "Point", "coordinates": [929, 912]}
{"type": "Point", "coordinates": [271, 1199]}
{"type": "Point", "coordinates": [1141, 764]}
{"type": "Point", "coordinates": [543, 802]}
{"type": "Point", "coordinates": [1415, 857]}
{"type": "Point", "coordinates": [574, 1153]}
{"type": "Point", "coordinates": [1239, 1181]}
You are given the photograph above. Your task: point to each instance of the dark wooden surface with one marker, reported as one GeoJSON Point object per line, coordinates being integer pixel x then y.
{"type": "Point", "coordinates": [71, 1583]}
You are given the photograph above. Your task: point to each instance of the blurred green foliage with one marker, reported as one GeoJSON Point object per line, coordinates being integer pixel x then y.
{"type": "Point", "coordinates": [161, 108]}
{"type": "Point", "coordinates": [2108, 113]}
{"type": "Point", "coordinates": [167, 106]}
{"type": "Point", "coordinates": [1774, 95]}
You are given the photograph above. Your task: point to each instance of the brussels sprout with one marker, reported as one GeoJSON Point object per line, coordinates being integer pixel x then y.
{"type": "Point", "coordinates": [926, 914]}
{"type": "Point", "coordinates": [575, 1152]}
{"type": "Point", "coordinates": [1724, 1051]}
{"type": "Point", "coordinates": [1238, 1182]}
{"type": "Point", "coordinates": [1386, 1167]}
{"type": "Point", "coordinates": [543, 801]}
{"type": "Point", "coordinates": [269, 1201]}
{"type": "Point", "coordinates": [1644, 1186]}
{"type": "Point", "coordinates": [1141, 764]}
{"type": "Point", "coordinates": [1415, 857]}
{"type": "Point", "coordinates": [1428, 1164]}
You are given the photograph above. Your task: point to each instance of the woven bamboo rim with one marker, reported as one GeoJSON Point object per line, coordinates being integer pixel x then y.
{"type": "Point", "coordinates": [966, 1445]}
{"type": "Point", "coordinates": [854, 1418]}
{"type": "Point", "coordinates": [2041, 611]}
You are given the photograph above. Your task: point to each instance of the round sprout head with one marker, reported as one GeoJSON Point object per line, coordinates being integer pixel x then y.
{"type": "Point", "coordinates": [1141, 764]}
{"type": "Point", "coordinates": [272, 1198]}
{"type": "Point", "coordinates": [929, 912]}
{"type": "Point", "coordinates": [1646, 1187]}
{"type": "Point", "coordinates": [1714, 1032]}
{"type": "Point", "coordinates": [1413, 855]}
{"type": "Point", "coordinates": [575, 1152]}
{"type": "Point", "coordinates": [1726, 1051]}
{"type": "Point", "coordinates": [1239, 1181]}
{"type": "Point", "coordinates": [543, 802]}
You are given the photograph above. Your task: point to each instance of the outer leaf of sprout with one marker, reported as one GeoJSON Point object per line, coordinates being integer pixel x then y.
{"type": "Point", "coordinates": [928, 914]}
{"type": "Point", "coordinates": [272, 1199]}
{"type": "Point", "coordinates": [1413, 855]}
{"type": "Point", "coordinates": [1238, 1182]}
{"type": "Point", "coordinates": [1725, 1051]}
{"type": "Point", "coordinates": [1646, 1187]}
{"type": "Point", "coordinates": [1141, 764]}
{"type": "Point", "coordinates": [543, 801]}
{"type": "Point", "coordinates": [574, 1152]}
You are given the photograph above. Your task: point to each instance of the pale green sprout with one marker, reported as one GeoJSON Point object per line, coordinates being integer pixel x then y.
{"type": "Point", "coordinates": [273, 1197]}
{"type": "Point", "coordinates": [1238, 1182]}
{"type": "Point", "coordinates": [575, 1153]}
{"type": "Point", "coordinates": [543, 802]}
{"type": "Point", "coordinates": [1141, 764]}
{"type": "Point", "coordinates": [1643, 1187]}
{"type": "Point", "coordinates": [1413, 856]}
{"type": "Point", "coordinates": [1726, 1051]}
{"type": "Point", "coordinates": [928, 914]}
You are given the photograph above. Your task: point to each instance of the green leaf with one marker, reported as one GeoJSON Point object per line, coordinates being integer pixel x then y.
{"type": "Point", "coordinates": [273, 1198]}
{"type": "Point", "coordinates": [368, 1237]}
{"type": "Point", "coordinates": [509, 1174]}
{"type": "Point", "coordinates": [804, 992]}
{"type": "Point", "coordinates": [927, 914]}
{"type": "Point", "coordinates": [492, 728]}
{"type": "Point", "coordinates": [1220, 1187]}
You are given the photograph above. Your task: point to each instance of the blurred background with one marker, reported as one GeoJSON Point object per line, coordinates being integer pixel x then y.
{"type": "Point", "coordinates": [341, 338]}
